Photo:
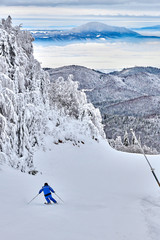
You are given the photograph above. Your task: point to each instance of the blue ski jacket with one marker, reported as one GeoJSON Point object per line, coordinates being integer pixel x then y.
{"type": "Point", "coordinates": [46, 190]}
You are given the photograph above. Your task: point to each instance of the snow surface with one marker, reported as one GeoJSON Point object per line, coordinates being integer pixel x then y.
{"type": "Point", "coordinates": [107, 195]}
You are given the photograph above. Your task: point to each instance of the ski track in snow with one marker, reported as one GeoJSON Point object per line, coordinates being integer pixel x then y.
{"type": "Point", "coordinates": [102, 197]}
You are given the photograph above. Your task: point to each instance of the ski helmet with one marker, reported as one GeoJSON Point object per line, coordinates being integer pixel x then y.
{"type": "Point", "coordinates": [46, 184]}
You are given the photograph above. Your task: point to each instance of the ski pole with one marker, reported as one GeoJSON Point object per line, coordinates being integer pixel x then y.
{"type": "Point", "coordinates": [33, 198]}
{"type": "Point", "coordinates": [59, 197]}
{"type": "Point", "coordinates": [152, 169]}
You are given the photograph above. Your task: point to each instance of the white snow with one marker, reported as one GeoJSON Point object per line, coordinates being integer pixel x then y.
{"type": "Point", "coordinates": [107, 195]}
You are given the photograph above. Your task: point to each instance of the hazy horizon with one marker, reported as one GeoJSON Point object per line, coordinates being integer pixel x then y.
{"type": "Point", "coordinates": [65, 14]}
{"type": "Point", "coordinates": [65, 24]}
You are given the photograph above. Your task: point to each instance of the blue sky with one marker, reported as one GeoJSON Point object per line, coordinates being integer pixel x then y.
{"type": "Point", "coordinates": [67, 13]}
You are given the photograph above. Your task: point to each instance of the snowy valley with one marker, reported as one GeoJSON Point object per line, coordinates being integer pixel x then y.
{"type": "Point", "coordinates": [127, 99]}
{"type": "Point", "coordinates": [53, 130]}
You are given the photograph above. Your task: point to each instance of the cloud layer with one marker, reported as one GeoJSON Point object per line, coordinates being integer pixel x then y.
{"type": "Point", "coordinates": [100, 56]}
{"type": "Point", "coordinates": [76, 2]}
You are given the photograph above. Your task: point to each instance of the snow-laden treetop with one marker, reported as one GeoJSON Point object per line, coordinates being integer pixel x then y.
{"type": "Point", "coordinates": [23, 96]}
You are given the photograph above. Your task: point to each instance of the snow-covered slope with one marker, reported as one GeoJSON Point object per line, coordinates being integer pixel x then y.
{"type": "Point", "coordinates": [136, 107]}
{"type": "Point", "coordinates": [106, 194]}
{"type": "Point", "coordinates": [116, 87]}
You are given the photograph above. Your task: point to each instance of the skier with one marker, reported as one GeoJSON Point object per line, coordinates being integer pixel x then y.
{"type": "Point", "coordinates": [46, 189]}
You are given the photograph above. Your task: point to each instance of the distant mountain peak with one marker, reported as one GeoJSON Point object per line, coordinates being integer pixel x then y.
{"type": "Point", "coordinates": [99, 27]}
{"type": "Point", "coordinates": [137, 70]}
{"type": "Point", "coordinates": [88, 31]}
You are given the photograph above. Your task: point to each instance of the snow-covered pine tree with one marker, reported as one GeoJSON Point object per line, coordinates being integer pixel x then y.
{"type": "Point", "coordinates": [23, 96]}
{"type": "Point", "coordinates": [65, 96]}
{"type": "Point", "coordinates": [126, 139]}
